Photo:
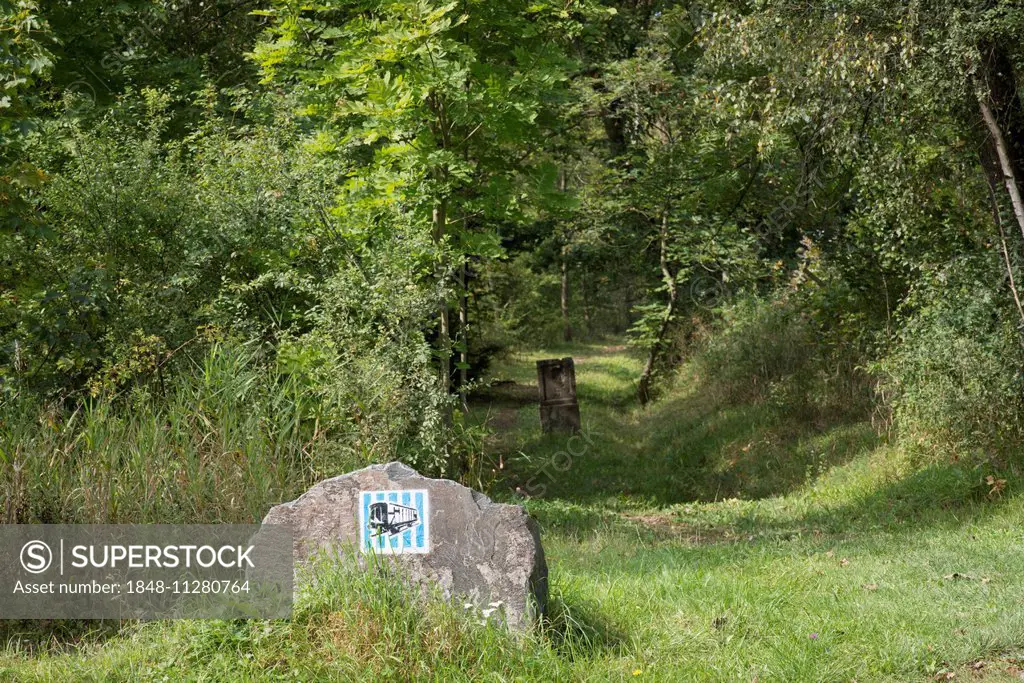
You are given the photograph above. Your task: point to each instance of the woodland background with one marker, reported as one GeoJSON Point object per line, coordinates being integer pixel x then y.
{"type": "Point", "coordinates": [312, 225]}
{"type": "Point", "coordinates": [249, 244]}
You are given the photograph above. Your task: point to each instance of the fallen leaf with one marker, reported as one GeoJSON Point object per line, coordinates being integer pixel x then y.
{"type": "Point", "coordinates": [996, 486]}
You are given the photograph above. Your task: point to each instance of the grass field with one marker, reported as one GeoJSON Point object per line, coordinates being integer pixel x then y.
{"type": "Point", "coordinates": [693, 540]}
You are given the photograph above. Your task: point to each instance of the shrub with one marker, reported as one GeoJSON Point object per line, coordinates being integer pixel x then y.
{"type": "Point", "coordinates": [156, 245]}
{"type": "Point", "coordinates": [954, 377]}
{"type": "Point", "coordinates": [799, 350]}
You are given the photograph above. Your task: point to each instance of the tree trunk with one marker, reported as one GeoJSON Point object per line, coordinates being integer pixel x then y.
{"type": "Point", "coordinates": [566, 325]}
{"type": "Point", "coordinates": [1002, 114]}
{"type": "Point", "coordinates": [1010, 178]}
{"type": "Point", "coordinates": [586, 305]}
{"type": "Point", "coordinates": [1009, 265]}
{"type": "Point", "coordinates": [993, 173]}
{"type": "Point", "coordinates": [463, 341]}
{"type": "Point", "coordinates": [644, 387]}
{"type": "Point", "coordinates": [444, 336]}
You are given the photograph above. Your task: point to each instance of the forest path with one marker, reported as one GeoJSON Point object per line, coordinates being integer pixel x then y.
{"type": "Point", "coordinates": [690, 446]}
{"type": "Point", "coordinates": [702, 540]}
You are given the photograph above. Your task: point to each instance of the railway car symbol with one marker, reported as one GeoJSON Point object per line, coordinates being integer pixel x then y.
{"type": "Point", "coordinates": [394, 522]}
{"type": "Point", "coordinates": [391, 518]}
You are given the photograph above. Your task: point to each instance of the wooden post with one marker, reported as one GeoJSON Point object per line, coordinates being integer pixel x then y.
{"type": "Point", "coordinates": [556, 383]}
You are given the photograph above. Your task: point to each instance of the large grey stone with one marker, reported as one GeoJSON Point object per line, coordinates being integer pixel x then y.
{"type": "Point", "coordinates": [437, 532]}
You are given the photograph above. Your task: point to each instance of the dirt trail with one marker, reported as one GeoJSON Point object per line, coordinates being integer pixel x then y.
{"type": "Point", "coordinates": [503, 399]}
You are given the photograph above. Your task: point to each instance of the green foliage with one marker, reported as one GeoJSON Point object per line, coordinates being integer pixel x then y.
{"type": "Point", "coordinates": [189, 50]}
{"type": "Point", "coordinates": [158, 246]}
{"type": "Point", "coordinates": [113, 267]}
{"type": "Point", "coordinates": [398, 158]}
{"type": "Point", "coordinates": [25, 61]}
{"type": "Point", "coordinates": [147, 240]}
{"type": "Point", "coordinates": [430, 101]}
{"type": "Point", "coordinates": [234, 242]}
{"type": "Point", "coordinates": [954, 379]}
{"type": "Point", "coordinates": [801, 350]}
{"type": "Point", "coordinates": [216, 443]}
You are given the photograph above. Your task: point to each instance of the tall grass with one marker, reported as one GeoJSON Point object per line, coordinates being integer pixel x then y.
{"type": "Point", "coordinates": [227, 438]}
{"type": "Point", "coordinates": [348, 625]}
{"type": "Point", "coordinates": [840, 558]}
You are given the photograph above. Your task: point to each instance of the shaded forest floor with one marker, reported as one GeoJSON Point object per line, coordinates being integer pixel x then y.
{"type": "Point", "coordinates": [692, 540]}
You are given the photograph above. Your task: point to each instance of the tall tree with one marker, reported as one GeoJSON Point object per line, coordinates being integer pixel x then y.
{"type": "Point", "coordinates": [440, 105]}
{"type": "Point", "coordinates": [864, 87]}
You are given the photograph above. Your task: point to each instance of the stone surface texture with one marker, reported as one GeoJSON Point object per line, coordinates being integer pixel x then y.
{"type": "Point", "coordinates": [481, 553]}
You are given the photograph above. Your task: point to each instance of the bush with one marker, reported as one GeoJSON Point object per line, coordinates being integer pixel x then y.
{"type": "Point", "coordinates": [954, 377]}
{"type": "Point", "coordinates": [156, 247]}
{"type": "Point", "coordinates": [146, 240]}
{"type": "Point", "coordinates": [799, 350]}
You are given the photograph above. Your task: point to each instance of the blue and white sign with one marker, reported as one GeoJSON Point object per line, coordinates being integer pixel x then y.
{"type": "Point", "coordinates": [394, 522]}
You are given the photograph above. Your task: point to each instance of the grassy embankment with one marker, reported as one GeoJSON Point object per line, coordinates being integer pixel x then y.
{"type": "Point", "coordinates": [693, 540]}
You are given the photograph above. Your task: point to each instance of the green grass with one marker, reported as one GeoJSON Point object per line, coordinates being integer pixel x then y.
{"type": "Point", "coordinates": [693, 540]}
{"type": "Point", "coordinates": [225, 438]}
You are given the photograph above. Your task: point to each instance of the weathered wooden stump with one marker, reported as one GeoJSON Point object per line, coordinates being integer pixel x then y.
{"type": "Point", "coordinates": [556, 381]}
